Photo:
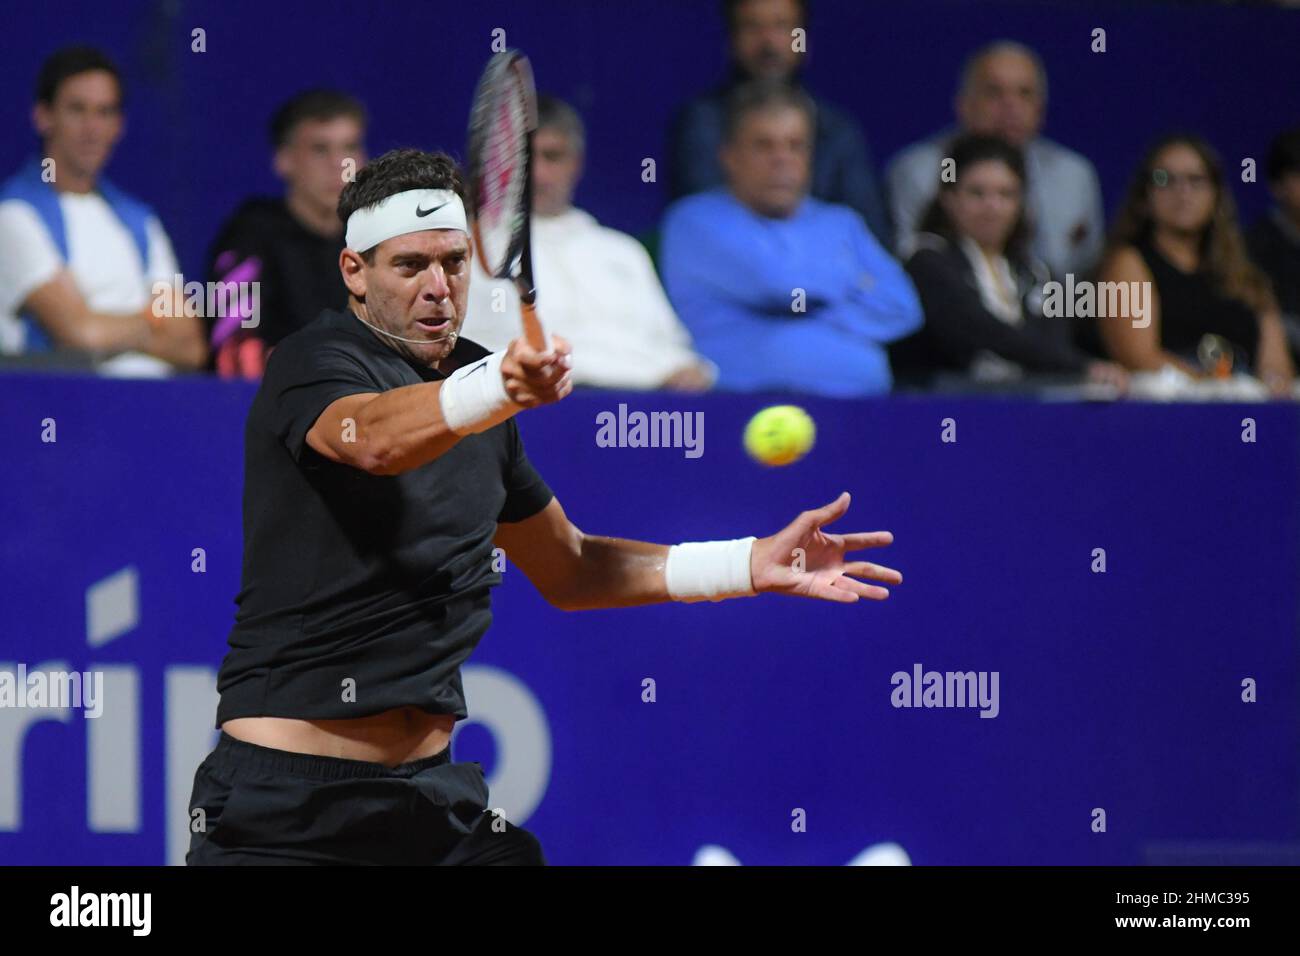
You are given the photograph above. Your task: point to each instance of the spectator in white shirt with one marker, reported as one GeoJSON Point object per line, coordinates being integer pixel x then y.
{"type": "Point", "coordinates": [596, 287]}
{"type": "Point", "coordinates": [78, 257]}
{"type": "Point", "coordinates": [1003, 93]}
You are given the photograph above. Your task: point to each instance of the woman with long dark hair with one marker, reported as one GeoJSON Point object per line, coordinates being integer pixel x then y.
{"type": "Point", "coordinates": [981, 290]}
{"type": "Point", "coordinates": [1177, 231]}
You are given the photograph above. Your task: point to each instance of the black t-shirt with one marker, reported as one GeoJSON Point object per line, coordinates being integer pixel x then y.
{"type": "Point", "coordinates": [298, 269]}
{"type": "Point", "coordinates": [958, 325]}
{"type": "Point", "coordinates": [1191, 307]}
{"type": "Point", "coordinates": [383, 580]}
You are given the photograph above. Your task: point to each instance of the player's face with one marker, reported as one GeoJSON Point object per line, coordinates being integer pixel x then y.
{"type": "Point", "coordinates": [418, 288]}
{"type": "Point", "coordinates": [761, 40]}
{"type": "Point", "coordinates": [1181, 193]}
{"type": "Point", "coordinates": [556, 168]}
{"type": "Point", "coordinates": [82, 125]}
{"type": "Point", "coordinates": [318, 157]}
{"type": "Point", "coordinates": [985, 203]}
{"type": "Point", "coordinates": [1005, 99]}
{"type": "Point", "coordinates": [769, 160]}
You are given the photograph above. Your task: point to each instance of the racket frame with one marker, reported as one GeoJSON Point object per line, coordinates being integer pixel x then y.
{"type": "Point", "coordinates": [518, 265]}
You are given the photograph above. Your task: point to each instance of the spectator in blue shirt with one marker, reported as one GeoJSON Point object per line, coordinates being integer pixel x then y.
{"type": "Point", "coordinates": [780, 290]}
{"type": "Point", "coordinates": [763, 46]}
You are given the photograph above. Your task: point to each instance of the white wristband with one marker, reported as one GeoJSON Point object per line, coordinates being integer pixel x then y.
{"type": "Point", "coordinates": [709, 570]}
{"type": "Point", "coordinates": [474, 398]}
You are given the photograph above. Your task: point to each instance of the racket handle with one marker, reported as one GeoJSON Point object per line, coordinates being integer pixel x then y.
{"type": "Point", "coordinates": [533, 330]}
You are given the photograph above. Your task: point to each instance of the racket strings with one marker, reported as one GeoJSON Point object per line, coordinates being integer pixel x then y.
{"type": "Point", "coordinates": [501, 178]}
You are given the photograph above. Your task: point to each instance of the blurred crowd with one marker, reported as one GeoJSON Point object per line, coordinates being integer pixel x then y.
{"type": "Point", "coordinates": [982, 256]}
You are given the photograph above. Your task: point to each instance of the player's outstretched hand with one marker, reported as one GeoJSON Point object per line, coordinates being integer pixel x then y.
{"type": "Point", "coordinates": [535, 378]}
{"type": "Point", "coordinates": [803, 559]}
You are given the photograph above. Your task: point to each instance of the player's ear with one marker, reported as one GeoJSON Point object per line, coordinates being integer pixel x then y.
{"type": "Point", "coordinates": [353, 269]}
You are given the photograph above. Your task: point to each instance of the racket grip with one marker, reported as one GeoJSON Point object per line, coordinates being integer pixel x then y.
{"type": "Point", "coordinates": [533, 330]}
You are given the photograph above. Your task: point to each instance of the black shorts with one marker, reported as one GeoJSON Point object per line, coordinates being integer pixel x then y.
{"type": "Point", "coordinates": [264, 806]}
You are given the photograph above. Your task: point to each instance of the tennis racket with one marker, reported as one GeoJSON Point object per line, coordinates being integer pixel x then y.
{"type": "Point", "coordinates": [501, 126]}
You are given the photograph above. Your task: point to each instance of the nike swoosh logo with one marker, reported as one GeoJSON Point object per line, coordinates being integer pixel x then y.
{"type": "Point", "coordinates": [482, 364]}
{"type": "Point", "coordinates": [424, 212]}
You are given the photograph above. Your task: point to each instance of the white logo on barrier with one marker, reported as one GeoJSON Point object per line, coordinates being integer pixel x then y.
{"type": "Point", "coordinates": [500, 701]}
{"type": "Point", "coordinates": [513, 714]}
{"type": "Point", "coordinates": [878, 854]}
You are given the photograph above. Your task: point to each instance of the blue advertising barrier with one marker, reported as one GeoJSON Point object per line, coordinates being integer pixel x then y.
{"type": "Point", "coordinates": [1121, 581]}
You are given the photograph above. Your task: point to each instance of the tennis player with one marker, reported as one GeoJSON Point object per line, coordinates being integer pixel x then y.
{"type": "Point", "coordinates": [383, 463]}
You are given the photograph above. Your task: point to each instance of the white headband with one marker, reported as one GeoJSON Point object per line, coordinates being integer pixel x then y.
{"type": "Point", "coordinates": [411, 211]}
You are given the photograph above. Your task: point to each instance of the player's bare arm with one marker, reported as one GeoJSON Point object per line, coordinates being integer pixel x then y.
{"type": "Point", "coordinates": [577, 571]}
{"type": "Point", "coordinates": [392, 432]}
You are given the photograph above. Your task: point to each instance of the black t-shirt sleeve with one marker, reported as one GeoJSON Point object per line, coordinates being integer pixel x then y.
{"type": "Point", "coordinates": [526, 492]}
{"type": "Point", "coordinates": [302, 380]}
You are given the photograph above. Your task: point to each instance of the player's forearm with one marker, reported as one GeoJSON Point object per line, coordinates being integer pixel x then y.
{"type": "Point", "coordinates": [402, 429]}
{"type": "Point", "coordinates": [616, 572]}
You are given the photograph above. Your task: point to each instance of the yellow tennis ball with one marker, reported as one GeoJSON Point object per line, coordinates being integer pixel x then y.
{"type": "Point", "coordinates": [779, 435]}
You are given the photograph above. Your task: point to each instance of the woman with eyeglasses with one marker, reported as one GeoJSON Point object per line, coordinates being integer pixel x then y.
{"type": "Point", "coordinates": [1211, 310]}
{"type": "Point", "coordinates": [982, 292]}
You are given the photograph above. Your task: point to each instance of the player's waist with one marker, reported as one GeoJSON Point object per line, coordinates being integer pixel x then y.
{"type": "Point", "coordinates": [393, 737]}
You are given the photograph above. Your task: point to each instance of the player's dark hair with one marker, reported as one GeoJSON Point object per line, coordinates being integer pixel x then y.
{"type": "Point", "coordinates": [763, 94]}
{"type": "Point", "coordinates": [1284, 155]}
{"type": "Point", "coordinates": [729, 11]}
{"type": "Point", "coordinates": [554, 113]}
{"type": "Point", "coordinates": [72, 61]}
{"type": "Point", "coordinates": [397, 171]}
{"type": "Point", "coordinates": [320, 105]}
{"type": "Point", "coordinates": [966, 151]}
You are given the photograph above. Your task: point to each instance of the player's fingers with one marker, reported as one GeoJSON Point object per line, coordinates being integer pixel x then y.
{"type": "Point", "coordinates": [835, 593]}
{"type": "Point", "coordinates": [873, 572]}
{"type": "Point", "coordinates": [869, 591]}
{"type": "Point", "coordinates": [546, 377]}
{"type": "Point", "coordinates": [561, 347]}
{"type": "Point", "coordinates": [529, 394]}
{"type": "Point", "coordinates": [529, 360]}
{"type": "Point", "coordinates": [866, 539]}
{"type": "Point", "coordinates": [542, 369]}
{"type": "Point", "coordinates": [521, 396]}
{"type": "Point", "coordinates": [827, 514]}
{"type": "Point", "coordinates": [556, 391]}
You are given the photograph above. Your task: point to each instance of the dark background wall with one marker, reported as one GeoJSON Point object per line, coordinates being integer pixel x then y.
{"type": "Point", "coordinates": [196, 140]}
